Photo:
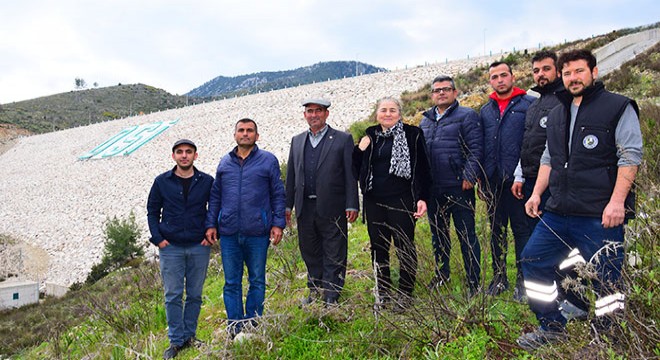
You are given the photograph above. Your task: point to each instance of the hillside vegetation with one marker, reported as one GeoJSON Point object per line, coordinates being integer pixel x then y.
{"type": "Point", "coordinates": [84, 107]}
{"type": "Point", "coordinates": [122, 316]}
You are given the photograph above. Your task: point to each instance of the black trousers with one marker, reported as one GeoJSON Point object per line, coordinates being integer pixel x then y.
{"type": "Point", "coordinates": [392, 219]}
{"type": "Point", "coordinates": [323, 245]}
{"type": "Point", "coordinates": [504, 208]}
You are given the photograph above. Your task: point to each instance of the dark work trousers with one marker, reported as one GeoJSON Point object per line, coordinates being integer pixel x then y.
{"type": "Point", "coordinates": [551, 244]}
{"type": "Point", "coordinates": [503, 208]}
{"type": "Point", "coordinates": [324, 247]}
{"type": "Point", "coordinates": [574, 297]}
{"type": "Point", "coordinates": [392, 219]}
{"type": "Point", "coordinates": [458, 204]}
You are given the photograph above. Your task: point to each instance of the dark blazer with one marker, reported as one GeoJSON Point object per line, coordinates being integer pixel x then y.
{"type": "Point", "coordinates": [336, 187]}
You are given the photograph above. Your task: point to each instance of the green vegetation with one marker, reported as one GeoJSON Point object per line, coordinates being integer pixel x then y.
{"type": "Point", "coordinates": [84, 107]}
{"type": "Point", "coordinates": [122, 315]}
{"type": "Point", "coordinates": [121, 248]}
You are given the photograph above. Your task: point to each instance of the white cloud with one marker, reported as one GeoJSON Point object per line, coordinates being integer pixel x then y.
{"type": "Point", "coordinates": [179, 45]}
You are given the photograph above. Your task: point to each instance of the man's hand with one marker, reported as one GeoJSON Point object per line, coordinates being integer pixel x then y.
{"type": "Point", "coordinates": [275, 235]}
{"type": "Point", "coordinates": [467, 185]}
{"type": "Point", "coordinates": [287, 216]}
{"type": "Point", "coordinates": [516, 190]}
{"type": "Point", "coordinates": [211, 237]}
{"type": "Point", "coordinates": [421, 209]}
{"type": "Point", "coordinates": [351, 215]}
{"type": "Point", "coordinates": [163, 244]}
{"type": "Point", "coordinates": [532, 206]}
{"type": "Point", "coordinates": [613, 215]}
{"type": "Point", "coordinates": [481, 191]}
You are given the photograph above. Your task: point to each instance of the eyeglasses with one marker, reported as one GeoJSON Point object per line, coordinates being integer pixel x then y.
{"type": "Point", "coordinates": [447, 89]}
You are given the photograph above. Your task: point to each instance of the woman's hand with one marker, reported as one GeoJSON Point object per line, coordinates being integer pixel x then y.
{"type": "Point", "coordinates": [364, 143]}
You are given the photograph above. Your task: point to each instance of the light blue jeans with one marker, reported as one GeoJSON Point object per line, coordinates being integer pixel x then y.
{"type": "Point", "coordinates": [238, 251]}
{"type": "Point", "coordinates": [183, 267]}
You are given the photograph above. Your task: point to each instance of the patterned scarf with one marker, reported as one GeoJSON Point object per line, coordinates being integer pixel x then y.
{"type": "Point", "coordinates": [400, 160]}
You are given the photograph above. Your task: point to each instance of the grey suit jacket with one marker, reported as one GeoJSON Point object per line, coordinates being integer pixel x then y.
{"type": "Point", "coordinates": [336, 187]}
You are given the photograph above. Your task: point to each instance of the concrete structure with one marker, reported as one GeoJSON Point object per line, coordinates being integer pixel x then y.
{"type": "Point", "coordinates": [15, 293]}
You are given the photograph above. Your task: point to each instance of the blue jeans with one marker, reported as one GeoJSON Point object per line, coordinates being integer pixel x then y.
{"type": "Point", "coordinates": [458, 204]}
{"type": "Point", "coordinates": [237, 251]}
{"type": "Point", "coordinates": [183, 266]}
{"type": "Point", "coordinates": [552, 240]}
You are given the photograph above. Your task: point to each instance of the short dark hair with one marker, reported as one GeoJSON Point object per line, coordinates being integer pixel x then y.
{"type": "Point", "coordinates": [544, 54]}
{"type": "Point", "coordinates": [246, 120]}
{"type": "Point", "coordinates": [443, 78]}
{"type": "Point", "coordinates": [574, 55]}
{"type": "Point", "coordinates": [498, 63]}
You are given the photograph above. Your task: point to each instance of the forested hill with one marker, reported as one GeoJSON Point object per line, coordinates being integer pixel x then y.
{"type": "Point", "coordinates": [84, 107]}
{"type": "Point", "coordinates": [223, 86]}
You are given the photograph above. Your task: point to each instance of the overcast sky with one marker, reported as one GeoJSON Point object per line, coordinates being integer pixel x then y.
{"type": "Point", "coordinates": [179, 45]}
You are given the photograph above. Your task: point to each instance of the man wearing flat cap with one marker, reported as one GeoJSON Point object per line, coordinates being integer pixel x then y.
{"type": "Point", "coordinates": [176, 211]}
{"type": "Point", "coordinates": [320, 186]}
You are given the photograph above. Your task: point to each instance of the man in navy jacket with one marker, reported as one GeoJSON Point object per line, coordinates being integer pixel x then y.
{"type": "Point", "coordinates": [454, 143]}
{"type": "Point", "coordinates": [246, 210]}
{"type": "Point", "coordinates": [176, 211]}
{"type": "Point", "coordinates": [503, 119]}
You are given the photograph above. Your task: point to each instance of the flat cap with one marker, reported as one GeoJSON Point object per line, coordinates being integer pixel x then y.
{"type": "Point", "coordinates": [184, 142]}
{"type": "Point", "coordinates": [318, 101]}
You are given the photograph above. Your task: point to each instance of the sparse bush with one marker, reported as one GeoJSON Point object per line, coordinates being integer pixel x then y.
{"type": "Point", "coordinates": [120, 246]}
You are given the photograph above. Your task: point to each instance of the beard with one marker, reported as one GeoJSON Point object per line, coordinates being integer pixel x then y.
{"type": "Point", "coordinates": [185, 167]}
{"type": "Point", "coordinates": [579, 92]}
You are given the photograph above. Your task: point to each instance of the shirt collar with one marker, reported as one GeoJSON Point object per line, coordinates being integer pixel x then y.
{"type": "Point", "coordinates": [319, 134]}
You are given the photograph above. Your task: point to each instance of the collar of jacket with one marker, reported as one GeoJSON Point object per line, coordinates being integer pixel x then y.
{"type": "Point", "coordinates": [233, 155]}
{"type": "Point", "coordinates": [566, 97]}
{"type": "Point", "coordinates": [551, 88]}
{"type": "Point", "coordinates": [171, 173]}
{"type": "Point", "coordinates": [432, 113]}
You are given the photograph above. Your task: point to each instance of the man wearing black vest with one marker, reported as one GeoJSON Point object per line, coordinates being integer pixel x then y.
{"type": "Point", "coordinates": [594, 147]}
{"type": "Point", "coordinates": [548, 84]}
{"type": "Point", "coordinates": [321, 187]}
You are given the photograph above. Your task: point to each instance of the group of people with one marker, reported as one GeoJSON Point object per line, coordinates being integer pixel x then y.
{"type": "Point", "coordinates": [568, 157]}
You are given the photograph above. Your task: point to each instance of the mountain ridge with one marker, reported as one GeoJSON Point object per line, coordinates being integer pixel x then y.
{"type": "Point", "coordinates": [223, 86]}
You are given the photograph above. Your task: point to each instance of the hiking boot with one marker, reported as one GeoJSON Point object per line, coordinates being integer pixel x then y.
{"type": "Point", "coordinates": [401, 304]}
{"type": "Point", "coordinates": [313, 297]}
{"type": "Point", "coordinates": [331, 303]}
{"type": "Point", "coordinates": [519, 293]}
{"type": "Point", "coordinates": [539, 337]}
{"type": "Point", "coordinates": [497, 286]}
{"type": "Point", "coordinates": [192, 342]}
{"type": "Point", "coordinates": [437, 282]}
{"type": "Point", "coordinates": [570, 312]}
{"type": "Point", "coordinates": [172, 351]}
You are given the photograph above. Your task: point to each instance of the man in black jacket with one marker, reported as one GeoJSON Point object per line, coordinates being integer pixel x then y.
{"type": "Point", "coordinates": [176, 210]}
{"type": "Point", "coordinates": [548, 84]}
{"type": "Point", "coordinates": [594, 148]}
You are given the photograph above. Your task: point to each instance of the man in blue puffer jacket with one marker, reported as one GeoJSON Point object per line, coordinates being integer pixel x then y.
{"type": "Point", "coordinates": [246, 209]}
{"type": "Point", "coordinates": [503, 119]}
{"type": "Point", "coordinates": [454, 143]}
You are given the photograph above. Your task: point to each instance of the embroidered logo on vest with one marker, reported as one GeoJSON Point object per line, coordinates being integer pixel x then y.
{"type": "Point", "coordinates": [590, 141]}
{"type": "Point", "coordinates": [543, 122]}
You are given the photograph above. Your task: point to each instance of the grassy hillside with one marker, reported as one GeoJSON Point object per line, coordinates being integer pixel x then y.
{"type": "Point", "coordinates": [84, 107]}
{"type": "Point", "coordinates": [122, 316]}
